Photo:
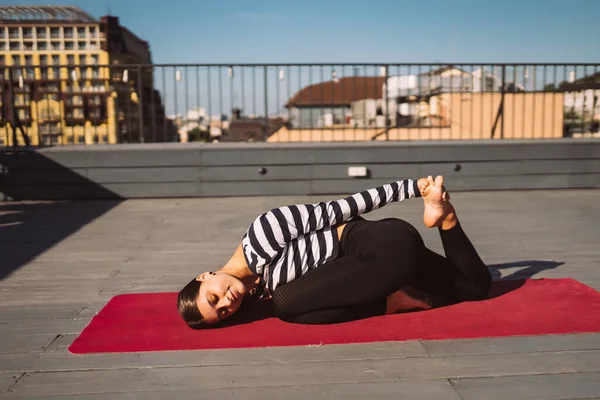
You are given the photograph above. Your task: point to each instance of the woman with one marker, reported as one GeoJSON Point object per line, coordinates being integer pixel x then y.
{"type": "Point", "coordinates": [323, 263]}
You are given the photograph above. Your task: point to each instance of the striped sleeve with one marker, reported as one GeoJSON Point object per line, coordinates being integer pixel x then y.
{"type": "Point", "coordinates": [272, 231]}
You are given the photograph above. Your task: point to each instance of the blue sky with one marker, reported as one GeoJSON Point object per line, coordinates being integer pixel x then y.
{"type": "Point", "coordinates": [268, 31]}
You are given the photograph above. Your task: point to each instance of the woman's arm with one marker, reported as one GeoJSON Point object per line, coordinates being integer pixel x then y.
{"type": "Point", "coordinates": [271, 231]}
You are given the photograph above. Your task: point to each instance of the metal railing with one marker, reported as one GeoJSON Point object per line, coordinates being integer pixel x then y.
{"type": "Point", "coordinates": [72, 104]}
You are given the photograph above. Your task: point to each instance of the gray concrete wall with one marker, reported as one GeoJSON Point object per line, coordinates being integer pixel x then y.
{"type": "Point", "coordinates": [200, 170]}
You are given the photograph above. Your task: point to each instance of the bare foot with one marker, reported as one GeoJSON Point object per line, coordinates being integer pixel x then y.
{"type": "Point", "coordinates": [405, 299]}
{"type": "Point", "coordinates": [438, 209]}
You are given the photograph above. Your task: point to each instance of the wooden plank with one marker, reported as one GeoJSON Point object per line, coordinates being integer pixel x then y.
{"type": "Point", "coordinates": [123, 156]}
{"type": "Point", "coordinates": [56, 326]}
{"type": "Point", "coordinates": [306, 373]}
{"type": "Point", "coordinates": [60, 360]}
{"type": "Point", "coordinates": [38, 313]}
{"type": "Point", "coordinates": [519, 344]}
{"type": "Point", "coordinates": [7, 380]}
{"type": "Point", "coordinates": [470, 183]}
{"type": "Point", "coordinates": [103, 191]}
{"type": "Point", "coordinates": [265, 188]}
{"type": "Point", "coordinates": [47, 176]}
{"type": "Point", "coordinates": [58, 192]}
{"type": "Point", "coordinates": [422, 389]}
{"type": "Point", "coordinates": [16, 363]}
{"type": "Point", "coordinates": [295, 172]}
{"type": "Point", "coordinates": [253, 173]}
{"type": "Point", "coordinates": [24, 343]}
{"type": "Point", "coordinates": [546, 387]}
{"type": "Point", "coordinates": [146, 174]}
{"type": "Point", "coordinates": [401, 152]}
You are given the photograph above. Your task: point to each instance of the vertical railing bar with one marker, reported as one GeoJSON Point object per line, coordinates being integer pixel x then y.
{"type": "Point", "coordinates": [483, 88]}
{"type": "Point", "coordinates": [525, 96]}
{"type": "Point", "coordinates": [387, 103]}
{"type": "Point", "coordinates": [533, 94]}
{"type": "Point", "coordinates": [186, 84]}
{"type": "Point", "coordinates": [594, 103]}
{"type": "Point", "coordinates": [221, 111]}
{"type": "Point", "coordinates": [322, 85]}
{"type": "Point", "coordinates": [266, 99]}
{"type": "Point", "coordinates": [209, 97]}
{"type": "Point", "coordinates": [544, 78]}
{"type": "Point", "coordinates": [231, 92]}
{"type": "Point", "coordinates": [502, 104]}
{"type": "Point", "coordinates": [164, 108]}
{"type": "Point", "coordinates": [310, 95]}
{"type": "Point", "coordinates": [242, 91]}
{"type": "Point", "coordinates": [288, 78]}
{"type": "Point", "coordinates": [175, 93]}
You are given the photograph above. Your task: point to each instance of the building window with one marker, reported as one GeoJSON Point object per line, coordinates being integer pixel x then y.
{"type": "Point", "coordinates": [21, 99]}
{"type": "Point", "coordinates": [42, 46]}
{"type": "Point", "coordinates": [43, 59]}
{"type": "Point", "coordinates": [69, 46]}
{"type": "Point", "coordinates": [3, 46]}
{"type": "Point", "coordinates": [2, 59]}
{"type": "Point", "coordinates": [28, 46]}
{"type": "Point", "coordinates": [41, 33]}
{"type": "Point", "coordinates": [13, 33]}
{"type": "Point", "coordinates": [28, 60]}
{"type": "Point", "coordinates": [2, 34]}
{"type": "Point", "coordinates": [94, 59]}
{"type": "Point", "coordinates": [81, 46]}
{"type": "Point", "coordinates": [55, 33]}
{"type": "Point", "coordinates": [29, 73]}
{"type": "Point", "coordinates": [68, 33]}
{"type": "Point", "coordinates": [82, 60]}
{"type": "Point", "coordinates": [70, 59]}
{"type": "Point", "coordinates": [55, 60]}
{"type": "Point", "coordinates": [81, 32]}
{"type": "Point", "coordinates": [24, 114]}
{"type": "Point", "coordinates": [15, 46]}
{"type": "Point", "coordinates": [16, 60]}
{"type": "Point", "coordinates": [27, 33]}
{"type": "Point", "coordinates": [55, 45]}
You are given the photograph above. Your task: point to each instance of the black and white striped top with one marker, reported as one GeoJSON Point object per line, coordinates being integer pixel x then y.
{"type": "Point", "coordinates": [286, 242]}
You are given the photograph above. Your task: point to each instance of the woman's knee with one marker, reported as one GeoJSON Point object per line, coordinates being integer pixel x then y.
{"type": "Point", "coordinates": [479, 289]}
{"type": "Point", "coordinates": [284, 304]}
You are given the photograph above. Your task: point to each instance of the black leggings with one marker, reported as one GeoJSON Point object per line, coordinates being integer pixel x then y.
{"type": "Point", "coordinates": [376, 259]}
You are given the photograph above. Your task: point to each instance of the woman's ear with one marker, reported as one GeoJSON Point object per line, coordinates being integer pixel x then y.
{"type": "Point", "coordinates": [202, 277]}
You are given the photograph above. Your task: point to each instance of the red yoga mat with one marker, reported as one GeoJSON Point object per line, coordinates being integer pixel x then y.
{"type": "Point", "coordinates": [150, 322]}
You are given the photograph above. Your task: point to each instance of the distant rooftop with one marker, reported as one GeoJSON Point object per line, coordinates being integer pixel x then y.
{"type": "Point", "coordinates": [44, 13]}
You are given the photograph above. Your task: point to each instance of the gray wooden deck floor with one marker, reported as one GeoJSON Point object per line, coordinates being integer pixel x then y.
{"type": "Point", "coordinates": [61, 262]}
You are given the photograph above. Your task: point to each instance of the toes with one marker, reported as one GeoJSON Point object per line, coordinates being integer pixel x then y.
{"type": "Point", "coordinates": [430, 180]}
{"type": "Point", "coordinates": [439, 181]}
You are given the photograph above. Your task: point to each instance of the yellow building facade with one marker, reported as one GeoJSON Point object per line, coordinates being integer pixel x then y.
{"type": "Point", "coordinates": [61, 82]}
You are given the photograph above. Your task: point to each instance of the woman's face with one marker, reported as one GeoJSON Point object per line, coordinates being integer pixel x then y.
{"type": "Point", "coordinates": [220, 296]}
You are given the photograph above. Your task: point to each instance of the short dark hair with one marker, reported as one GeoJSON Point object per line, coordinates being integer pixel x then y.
{"type": "Point", "coordinates": [186, 304]}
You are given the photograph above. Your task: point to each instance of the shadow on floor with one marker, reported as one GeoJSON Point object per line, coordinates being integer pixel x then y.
{"type": "Point", "coordinates": [528, 269]}
{"type": "Point", "coordinates": [512, 282]}
{"type": "Point", "coordinates": [29, 224]}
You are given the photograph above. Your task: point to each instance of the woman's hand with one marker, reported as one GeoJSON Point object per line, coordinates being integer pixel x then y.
{"type": "Point", "coordinates": [403, 301]}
